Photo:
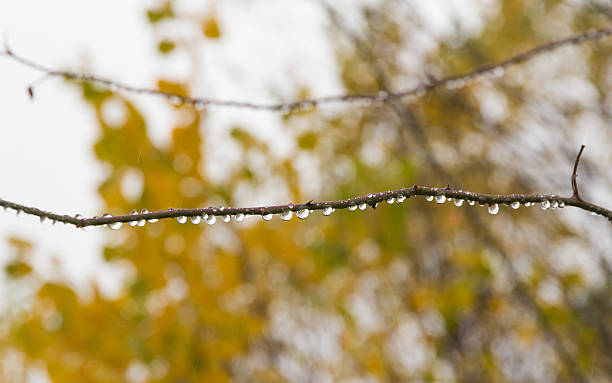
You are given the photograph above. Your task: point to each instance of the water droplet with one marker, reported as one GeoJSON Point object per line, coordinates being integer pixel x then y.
{"type": "Point", "coordinates": [527, 204]}
{"type": "Point", "coordinates": [352, 207]}
{"type": "Point", "coordinates": [204, 216]}
{"type": "Point", "coordinates": [226, 218]}
{"type": "Point", "coordinates": [175, 100]}
{"type": "Point", "coordinates": [561, 204]}
{"type": "Point", "coordinates": [328, 210]}
{"type": "Point", "coordinates": [239, 217]}
{"type": "Point", "coordinates": [515, 205]}
{"type": "Point", "coordinates": [458, 202]}
{"type": "Point", "coordinates": [302, 214]}
{"type": "Point", "coordinates": [429, 198]}
{"type": "Point", "coordinates": [554, 204]}
{"type": "Point", "coordinates": [44, 220]}
{"type": "Point", "coordinates": [78, 216]}
{"type": "Point", "coordinates": [362, 206]}
{"type": "Point", "coordinates": [152, 220]}
{"type": "Point", "coordinates": [401, 199]}
{"type": "Point", "coordinates": [141, 223]}
{"type": "Point", "coordinates": [211, 220]}
{"type": "Point", "coordinates": [370, 195]}
{"type": "Point", "coordinates": [545, 204]}
{"type": "Point", "coordinates": [496, 72]}
{"type": "Point", "coordinates": [593, 213]}
{"type": "Point", "coordinates": [391, 200]}
{"type": "Point", "coordinates": [106, 215]}
{"type": "Point", "coordinates": [470, 202]}
{"type": "Point", "coordinates": [440, 199]}
{"type": "Point", "coordinates": [286, 215]}
{"type": "Point", "coordinates": [133, 223]}
{"type": "Point", "coordinates": [267, 217]}
{"type": "Point", "coordinates": [181, 219]}
{"type": "Point", "coordinates": [115, 225]}
{"type": "Point", "coordinates": [494, 209]}
{"type": "Point", "coordinates": [195, 219]}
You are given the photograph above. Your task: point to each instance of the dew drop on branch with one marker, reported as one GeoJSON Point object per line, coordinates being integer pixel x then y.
{"type": "Point", "coordinates": [115, 225]}
{"type": "Point", "coordinates": [182, 219]}
{"type": "Point", "coordinates": [429, 198]}
{"type": "Point", "coordinates": [515, 205]}
{"type": "Point", "coordinates": [496, 72]}
{"type": "Point", "coordinates": [554, 204]}
{"type": "Point", "coordinates": [105, 215]}
{"type": "Point", "coordinates": [391, 200]}
{"type": "Point", "coordinates": [286, 215]}
{"type": "Point", "coordinates": [471, 203]}
{"type": "Point", "coordinates": [211, 219]}
{"type": "Point", "coordinates": [440, 199]}
{"type": "Point", "coordinates": [302, 214]}
{"type": "Point", "coordinates": [226, 218]}
{"type": "Point", "coordinates": [458, 202]}
{"type": "Point", "coordinates": [362, 206]}
{"type": "Point", "coordinates": [152, 220]}
{"type": "Point", "coordinates": [175, 100]}
{"type": "Point", "coordinates": [352, 207]}
{"type": "Point", "coordinates": [493, 209]}
{"type": "Point", "coordinates": [239, 217]}
{"type": "Point", "coordinates": [328, 210]}
{"type": "Point", "coordinates": [545, 204]}
{"type": "Point", "coordinates": [267, 217]}
{"type": "Point", "coordinates": [133, 223]}
{"type": "Point", "coordinates": [79, 217]}
{"type": "Point", "coordinates": [195, 219]}
{"type": "Point", "coordinates": [401, 199]}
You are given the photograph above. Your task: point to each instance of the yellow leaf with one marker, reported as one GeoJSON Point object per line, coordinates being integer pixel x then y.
{"type": "Point", "coordinates": [210, 28]}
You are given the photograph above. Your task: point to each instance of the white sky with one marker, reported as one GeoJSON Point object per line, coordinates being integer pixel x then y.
{"type": "Point", "coordinates": [46, 157]}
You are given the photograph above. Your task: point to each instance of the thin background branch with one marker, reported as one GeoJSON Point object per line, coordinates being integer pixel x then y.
{"type": "Point", "coordinates": [452, 82]}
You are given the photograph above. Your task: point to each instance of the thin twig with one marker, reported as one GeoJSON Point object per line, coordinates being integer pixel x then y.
{"type": "Point", "coordinates": [576, 194]}
{"type": "Point", "coordinates": [452, 82]}
{"type": "Point", "coordinates": [548, 200]}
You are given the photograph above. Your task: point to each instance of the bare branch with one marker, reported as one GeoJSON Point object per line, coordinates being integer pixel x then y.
{"type": "Point", "coordinates": [452, 82]}
{"type": "Point", "coordinates": [576, 194]}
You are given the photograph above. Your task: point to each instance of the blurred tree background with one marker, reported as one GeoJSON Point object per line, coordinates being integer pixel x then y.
{"type": "Point", "coordinates": [411, 292]}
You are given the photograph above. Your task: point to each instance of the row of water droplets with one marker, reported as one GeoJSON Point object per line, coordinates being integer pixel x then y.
{"type": "Point", "coordinates": [285, 215]}
{"type": "Point", "coordinates": [493, 208]}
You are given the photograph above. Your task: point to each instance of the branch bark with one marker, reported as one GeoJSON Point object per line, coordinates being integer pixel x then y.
{"type": "Point", "coordinates": [451, 82]}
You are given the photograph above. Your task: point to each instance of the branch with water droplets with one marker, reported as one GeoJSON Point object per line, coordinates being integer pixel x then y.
{"type": "Point", "coordinates": [451, 82]}
{"type": "Point", "coordinates": [302, 210]}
